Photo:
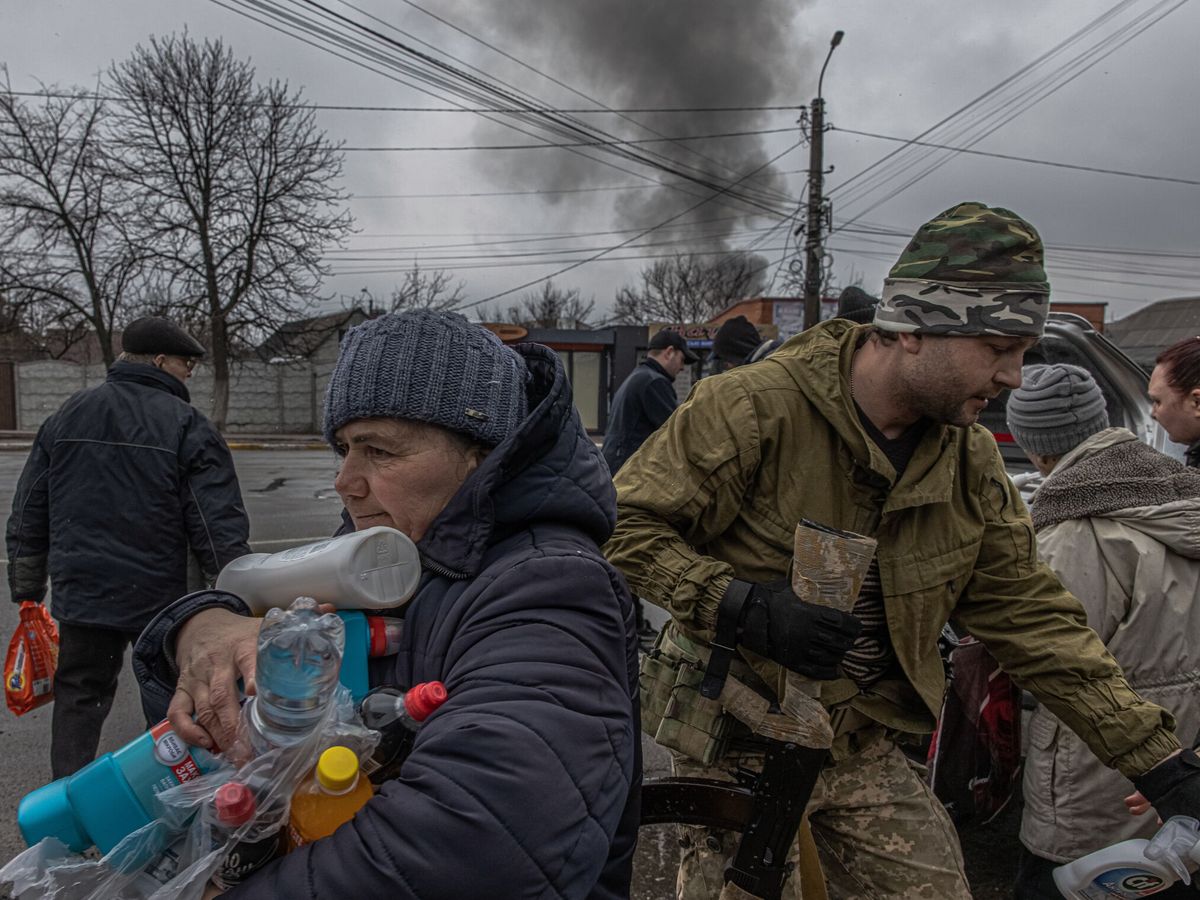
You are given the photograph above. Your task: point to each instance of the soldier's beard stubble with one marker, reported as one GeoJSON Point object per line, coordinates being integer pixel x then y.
{"type": "Point", "coordinates": [940, 392]}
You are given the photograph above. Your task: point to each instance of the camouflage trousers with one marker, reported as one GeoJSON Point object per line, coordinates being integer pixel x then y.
{"type": "Point", "coordinates": [880, 832]}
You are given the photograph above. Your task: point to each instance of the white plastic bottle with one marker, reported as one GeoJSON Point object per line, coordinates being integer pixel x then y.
{"type": "Point", "coordinates": [378, 568]}
{"type": "Point", "coordinates": [1135, 868]}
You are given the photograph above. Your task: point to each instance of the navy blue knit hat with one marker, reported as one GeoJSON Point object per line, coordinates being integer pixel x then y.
{"type": "Point", "coordinates": [431, 367]}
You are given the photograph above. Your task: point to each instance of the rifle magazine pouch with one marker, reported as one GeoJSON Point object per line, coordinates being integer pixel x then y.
{"type": "Point", "coordinates": [676, 714]}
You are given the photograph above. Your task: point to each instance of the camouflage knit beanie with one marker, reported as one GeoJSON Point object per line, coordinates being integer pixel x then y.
{"type": "Point", "coordinates": [972, 270]}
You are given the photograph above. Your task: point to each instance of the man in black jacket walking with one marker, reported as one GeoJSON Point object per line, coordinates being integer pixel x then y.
{"type": "Point", "coordinates": [127, 488]}
{"type": "Point", "coordinates": [646, 399]}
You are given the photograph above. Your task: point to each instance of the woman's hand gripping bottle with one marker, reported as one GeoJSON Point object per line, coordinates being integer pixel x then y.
{"type": "Point", "coordinates": [299, 654]}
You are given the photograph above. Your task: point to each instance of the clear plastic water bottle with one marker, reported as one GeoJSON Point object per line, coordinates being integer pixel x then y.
{"type": "Point", "coordinates": [299, 655]}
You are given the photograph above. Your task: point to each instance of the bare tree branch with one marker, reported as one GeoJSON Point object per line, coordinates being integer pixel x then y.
{"type": "Point", "coordinates": [688, 288]}
{"type": "Point", "coordinates": [67, 263]}
{"type": "Point", "coordinates": [548, 307]}
{"type": "Point", "coordinates": [421, 289]}
{"type": "Point", "coordinates": [237, 187]}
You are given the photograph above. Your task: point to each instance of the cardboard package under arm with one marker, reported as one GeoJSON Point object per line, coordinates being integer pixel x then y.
{"type": "Point", "coordinates": [828, 568]}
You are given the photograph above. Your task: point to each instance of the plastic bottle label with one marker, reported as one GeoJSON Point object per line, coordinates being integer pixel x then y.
{"type": "Point", "coordinates": [245, 859]}
{"type": "Point", "coordinates": [173, 753]}
{"type": "Point", "coordinates": [1122, 883]}
{"type": "Point", "coordinates": [165, 867]}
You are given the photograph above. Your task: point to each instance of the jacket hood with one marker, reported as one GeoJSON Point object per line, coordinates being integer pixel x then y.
{"type": "Point", "coordinates": [1113, 475]}
{"type": "Point", "coordinates": [825, 353]}
{"type": "Point", "coordinates": [151, 376]}
{"type": "Point", "coordinates": [547, 470]}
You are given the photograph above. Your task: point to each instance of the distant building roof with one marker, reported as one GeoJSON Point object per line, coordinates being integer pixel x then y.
{"type": "Point", "coordinates": [1146, 333]}
{"type": "Point", "coordinates": [302, 338]}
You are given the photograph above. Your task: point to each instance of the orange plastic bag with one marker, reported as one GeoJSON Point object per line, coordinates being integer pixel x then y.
{"type": "Point", "coordinates": [32, 659]}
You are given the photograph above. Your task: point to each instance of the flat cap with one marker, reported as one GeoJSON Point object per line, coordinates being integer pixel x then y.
{"type": "Point", "coordinates": [154, 334]}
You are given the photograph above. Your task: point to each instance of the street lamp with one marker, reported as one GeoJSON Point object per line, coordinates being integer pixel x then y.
{"type": "Point", "coordinates": [816, 201]}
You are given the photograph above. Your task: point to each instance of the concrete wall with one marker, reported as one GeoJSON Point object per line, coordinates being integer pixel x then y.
{"type": "Point", "coordinates": [284, 398]}
{"type": "Point", "coordinates": [43, 385]}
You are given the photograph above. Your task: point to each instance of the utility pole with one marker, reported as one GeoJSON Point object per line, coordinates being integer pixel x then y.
{"type": "Point", "coordinates": [814, 250]}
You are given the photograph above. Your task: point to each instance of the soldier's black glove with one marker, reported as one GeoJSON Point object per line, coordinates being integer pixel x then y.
{"type": "Point", "coordinates": [1173, 786]}
{"type": "Point", "coordinates": [804, 637]}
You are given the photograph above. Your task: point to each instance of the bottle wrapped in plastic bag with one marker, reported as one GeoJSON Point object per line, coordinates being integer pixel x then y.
{"type": "Point", "coordinates": [195, 830]}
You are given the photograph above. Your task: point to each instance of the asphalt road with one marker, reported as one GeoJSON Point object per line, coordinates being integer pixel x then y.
{"type": "Point", "coordinates": [290, 499]}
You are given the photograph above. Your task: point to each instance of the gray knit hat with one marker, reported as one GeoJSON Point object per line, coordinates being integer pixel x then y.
{"type": "Point", "coordinates": [431, 367]}
{"type": "Point", "coordinates": [1055, 409]}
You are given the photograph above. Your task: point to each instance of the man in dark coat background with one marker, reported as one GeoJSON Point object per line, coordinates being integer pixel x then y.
{"type": "Point", "coordinates": [646, 399]}
{"type": "Point", "coordinates": [642, 403]}
{"type": "Point", "coordinates": [127, 488]}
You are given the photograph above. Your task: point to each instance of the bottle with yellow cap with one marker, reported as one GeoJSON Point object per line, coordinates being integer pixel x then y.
{"type": "Point", "coordinates": [328, 797]}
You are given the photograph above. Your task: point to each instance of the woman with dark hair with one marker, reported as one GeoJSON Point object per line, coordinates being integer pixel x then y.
{"type": "Point", "coordinates": [1175, 395]}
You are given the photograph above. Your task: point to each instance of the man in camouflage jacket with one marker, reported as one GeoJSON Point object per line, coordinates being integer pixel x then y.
{"type": "Point", "coordinates": [870, 429]}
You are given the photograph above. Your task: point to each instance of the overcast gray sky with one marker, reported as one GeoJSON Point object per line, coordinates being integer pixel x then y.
{"type": "Point", "coordinates": [902, 68]}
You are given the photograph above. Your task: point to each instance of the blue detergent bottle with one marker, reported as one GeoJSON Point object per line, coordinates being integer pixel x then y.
{"type": "Point", "coordinates": [112, 796]}
{"type": "Point", "coordinates": [298, 665]}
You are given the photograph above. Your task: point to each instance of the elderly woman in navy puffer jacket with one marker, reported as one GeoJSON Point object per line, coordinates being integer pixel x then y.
{"type": "Point", "coordinates": [525, 783]}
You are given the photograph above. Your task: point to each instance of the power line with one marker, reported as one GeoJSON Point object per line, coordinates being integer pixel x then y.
{"type": "Point", "coordinates": [471, 265]}
{"type": "Point", "coordinates": [996, 88]}
{"type": "Point", "coordinates": [1041, 85]}
{"type": "Point", "coordinates": [346, 107]}
{"type": "Point", "coordinates": [615, 142]}
{"type": "Point", "coordinates": [440, 78]}
{"type": "Point", "coordinates": [534, 192]}
{"type": "Point", "coordinates": [520, 62]}
{"type": "Point", "coordinates": [891, 163]}
{"type": "Point", "coordinates": [1097, 57]}
{"type": "Point", "coordinates": [605, 252]}
{"type": "Point", "coordinates": [1024, 159]}
{"type": "Point", "coordinates": [526, 236]}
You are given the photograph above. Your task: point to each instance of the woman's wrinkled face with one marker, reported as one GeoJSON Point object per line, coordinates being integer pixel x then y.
{"type": "Point", "coordinates": [400, 473]}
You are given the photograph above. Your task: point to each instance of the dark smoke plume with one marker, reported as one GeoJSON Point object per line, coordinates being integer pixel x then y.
{"type": "Point", "coordinates": [654, 54]}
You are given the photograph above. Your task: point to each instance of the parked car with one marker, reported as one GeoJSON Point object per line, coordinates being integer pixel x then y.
{"type": "Point", "coordinates": [1072, 339]}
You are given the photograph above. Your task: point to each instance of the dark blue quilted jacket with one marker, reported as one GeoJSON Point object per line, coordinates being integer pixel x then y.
{"type": "Point", "coordinates": [122, 483]}
{"type": "Point", "coordinates": [525, 783]}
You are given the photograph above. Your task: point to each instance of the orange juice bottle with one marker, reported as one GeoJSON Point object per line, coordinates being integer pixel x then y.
{"type": "Point", "coordinates": [328, 797]}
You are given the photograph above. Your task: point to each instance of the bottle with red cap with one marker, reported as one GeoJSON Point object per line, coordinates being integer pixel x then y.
{"type": "Point", "coordinates": [397, 715]}
{"type": "Point", "coordinates": [235, 805]}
